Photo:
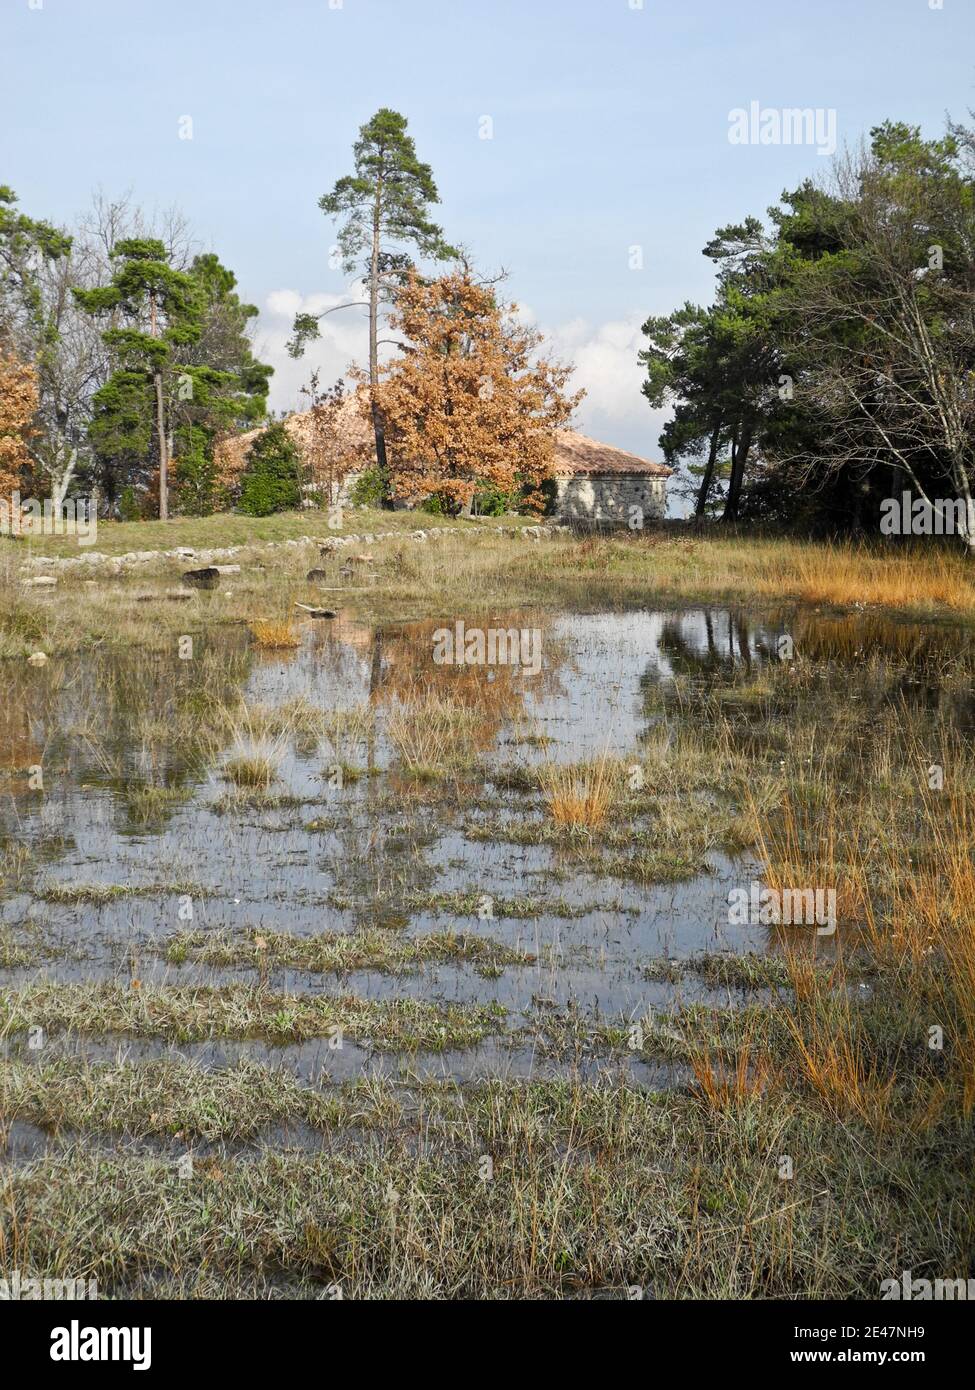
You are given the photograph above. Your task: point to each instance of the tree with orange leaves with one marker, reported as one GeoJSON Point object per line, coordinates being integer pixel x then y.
{"type": "Point", "coordinates": [18, 405]}
{"type": "Point", "coordinates": [471, 407]}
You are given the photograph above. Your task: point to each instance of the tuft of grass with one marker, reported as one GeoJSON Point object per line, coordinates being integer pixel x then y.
{"type": "Point", "coordinates": [732, 1085]}
{"type": "Point", "coordinates": [101, 894]}
{"type": "Point", "coordinates": [257, 748]}
{"type": "Point", "coordinates": [832, 1047]}
{"type": "Point", "coordinates": [256, 770]}
{"type": "Point", "coordinates": [433, 733]}
{"type": "Point", "coordinates": [579, 797]}
{"type": "Point", "coordinates": [274, 635]}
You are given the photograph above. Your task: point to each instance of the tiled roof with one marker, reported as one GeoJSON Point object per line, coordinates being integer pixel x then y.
{"type": "Point", "coordinates": [578, 456]}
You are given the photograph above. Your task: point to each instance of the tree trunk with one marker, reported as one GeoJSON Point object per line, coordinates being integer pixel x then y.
{"type": "Point", "coordinates": [965, 493]}
{"type": "Point", "coordinates": [377, 420]}
{"type": "Point", "coordinates": [706, 481]}
{"type": "Point", "coordinates": [163, 451]}
{"type": "Point", "coordinates": [160, 423]}
{"type": "Point", "coordinates": [739, 457]}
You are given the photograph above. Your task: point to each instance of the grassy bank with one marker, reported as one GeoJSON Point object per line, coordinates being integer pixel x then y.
{"type": "Point", "coordinates": [546, 1189]}
{"type": "Point", "coordinates": [226, 529]}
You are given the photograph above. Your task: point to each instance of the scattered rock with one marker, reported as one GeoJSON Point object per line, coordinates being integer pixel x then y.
{"type": "Point", "coordinates": [37, 659]}
{"type": "Point", "coordinates": [120, 564]}
{"type": "Point", "coordinates": [226, 569]}
{"type": "Point", "coordinates": [207, 578]}
{"type": "Point", "coordinates": [43, 581]}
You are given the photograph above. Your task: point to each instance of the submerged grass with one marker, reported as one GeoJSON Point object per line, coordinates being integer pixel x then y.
{"type": "Point", "coordinates": [195, 1014]}
{"type": "Point", "coordinates": [338, 952]}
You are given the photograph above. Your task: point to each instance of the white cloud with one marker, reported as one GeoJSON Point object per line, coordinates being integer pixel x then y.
{"type": "Point", "coordinates": [284, 302]}
{"type": "Point", "coordinates": [614, 409]}
{"type": "Point", "coordinates": [344, 340]}
{"type": "Point", "coordinates": [606, 364]}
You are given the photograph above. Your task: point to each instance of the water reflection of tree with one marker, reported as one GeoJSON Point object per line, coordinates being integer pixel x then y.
{"type": "Point", "coordinates": [853, 668]}
{"type": "Point", "coordinates": [708, 647]}
{"type": "Point", "coordinates": [28, 695]}
{"type": "Point", "coordinates": [29, 816]}
{"type": "Point", "coordinates": [896, 665]}
{"type": "Point", "coordinates": [397, 668]}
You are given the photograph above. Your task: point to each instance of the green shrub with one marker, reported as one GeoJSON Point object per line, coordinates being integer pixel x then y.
{"type": "Point", "coordinates": [491, 501]}
{"type": "Point", "coordinates": [370, 489]}
{"type": "Point", "coordinates": [194, 479]}
{"type": "Point", "coordinates": [129, 506]}
{"type": "Point", "coordinates": [271, 479]}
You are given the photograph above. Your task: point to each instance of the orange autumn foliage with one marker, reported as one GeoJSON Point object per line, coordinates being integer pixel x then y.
{"type": "Point", "coordinates": [471, 403]}
{"type": "Point", "coordinates": [18, 404]}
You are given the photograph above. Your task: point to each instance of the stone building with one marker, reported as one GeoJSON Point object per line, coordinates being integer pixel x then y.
{"type": "Point", "coordinates": [600, 483]}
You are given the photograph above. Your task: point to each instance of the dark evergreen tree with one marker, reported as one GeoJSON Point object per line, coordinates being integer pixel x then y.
{"type": "Point", "coordinates": [271, 481]}
{"type": "Point", "coordinates": [185, 373]}
{"type": "Point", "coordinates": [153, 310]}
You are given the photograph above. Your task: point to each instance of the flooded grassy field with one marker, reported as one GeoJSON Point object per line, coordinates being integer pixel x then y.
{"type": "Point", "coordinates": [332, 969]}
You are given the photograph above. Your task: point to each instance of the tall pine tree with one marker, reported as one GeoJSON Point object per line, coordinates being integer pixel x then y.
{"type": "Point", "coordinates": [384, 204]}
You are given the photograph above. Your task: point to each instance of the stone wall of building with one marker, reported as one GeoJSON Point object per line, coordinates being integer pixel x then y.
{"type": "Point", "coordinates": [606, 499]}
{"type": "Point", "coordinates": [610, 498]}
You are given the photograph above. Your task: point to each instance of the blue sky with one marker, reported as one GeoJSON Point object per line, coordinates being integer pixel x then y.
{"type": "Point", "coordinates": [610, 131]}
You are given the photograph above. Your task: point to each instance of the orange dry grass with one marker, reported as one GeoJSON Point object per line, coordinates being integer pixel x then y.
{"type": "Point", "coordinates": [274, 635]}
{"type": "Point", "coordinates": [934, 900]}
{"type": "Point", "coordinates": [895, 578]}
{"type": "Point", "coordinates": [579, 796]}
{"type": "Point", "coordinates": [830, 1047]}
{"type": "Point", "coordinates": [804, 846]}
{"type": "Point", "coordinates": [725, 1085]}
{"type": "Point", "coordinates": [933, 918]}
{"type": "Point", "coordinates": [910, 886]}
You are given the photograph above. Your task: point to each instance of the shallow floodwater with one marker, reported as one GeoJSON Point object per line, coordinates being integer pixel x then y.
{"type": "Point", "coordinates": [323, 857]}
